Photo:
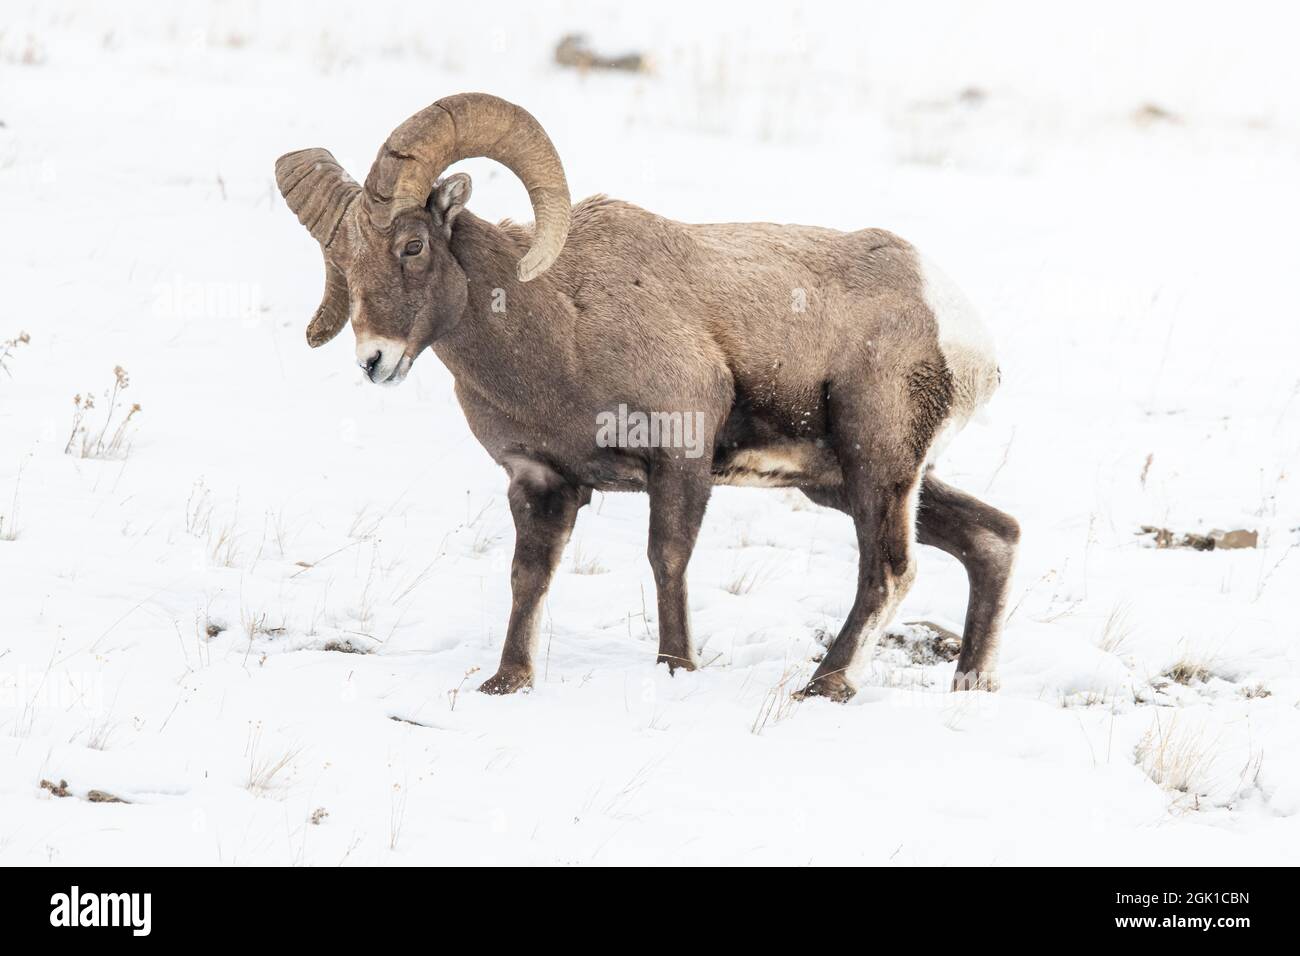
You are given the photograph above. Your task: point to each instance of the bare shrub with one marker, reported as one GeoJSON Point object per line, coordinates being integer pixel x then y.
{"type": "Point", "coordinates": [454, 694]}
{"type": "Point", "coordinates": [8, 347]}
{"type": "Point", "coordinates": [109, 439]}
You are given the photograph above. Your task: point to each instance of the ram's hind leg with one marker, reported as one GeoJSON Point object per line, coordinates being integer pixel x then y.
{"type": "Point", "coordinates": [879, 492]}
{"type": "Point", "coordinates": [984, 540]}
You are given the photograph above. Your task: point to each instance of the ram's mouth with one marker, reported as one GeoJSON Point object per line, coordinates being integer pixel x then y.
{"type": "Point", "coordinates": [398, 375]}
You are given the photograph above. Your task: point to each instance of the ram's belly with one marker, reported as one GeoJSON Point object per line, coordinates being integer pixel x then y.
{"type": "Point", "coordinates": [782, 464]}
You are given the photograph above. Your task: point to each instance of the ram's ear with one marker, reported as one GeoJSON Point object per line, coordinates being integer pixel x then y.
{"type": "Point", "coordinates": [448, 199]}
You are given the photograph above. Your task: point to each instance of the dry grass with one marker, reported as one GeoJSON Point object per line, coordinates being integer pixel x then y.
{"type": "Point", "coordinates": [454, 694]}
{"type": "Point", "coordinates": [223, 545]}
{"type": "Point", "coordinates": [1190, 670]}
{"type": "Point", "coordinates": [779, 702]}
{"type": "Point", "coordinates": [586, 564]}
{"type": "Point", "coordinates": [1116, 629]}
{"type": "Point", "coordinates": [255, 624]}
{"type": "Point", "coordinates": [266, 771]}
{"type": "Point", "coordinates": [8, 347]}
{"type": "Point", "coordinates": [1179, 759]}
{"type": "Point", "coordinates": [396, 815]}
{"type": "Point", "coordinates": [364, 525]}
{"type": "Point", "coordinates": [221, 538]}
{"type": "Point", "coordinates": [276, 529]}
{"type": "Point", "coordinates": [1266, 576]}
{"type": "Point", "coordinates": [97, 734]}
{"type": "Point", "coordinates": [744, 580]}
{"type": "Point", "coordinates": [1256, 692]}
{"type": "Point", "coordinates": [1089, 698]}
{"type": "Point", "coordinates": [198, 510]}
{"type": "Point", "coordinates": [109, 439]}
{"type": "Point", "coordinates": [9, 522]}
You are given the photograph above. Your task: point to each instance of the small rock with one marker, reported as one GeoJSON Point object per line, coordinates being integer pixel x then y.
{"type": "Point", "coordinates": [573, 51]}
{"type": "Point", "coordinates": [1217, 538]}
{"type": "Point", "coordinates": [103, 796]}
{"type": "Point", "coordinates": [1241, 538]}
{"type": "Point", "coordinates": [343, 647]}
{"type": "Point", "coordinates": [1151, 113]}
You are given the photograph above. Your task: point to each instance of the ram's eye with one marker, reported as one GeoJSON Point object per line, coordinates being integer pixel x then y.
{"type": "Point", "coordinates": [413, 248]}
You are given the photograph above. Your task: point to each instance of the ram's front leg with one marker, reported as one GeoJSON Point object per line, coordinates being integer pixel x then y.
{"type": "Point", "coordinates": [544, 508]}
{"type": "Point", "coordinates": [679, 494]}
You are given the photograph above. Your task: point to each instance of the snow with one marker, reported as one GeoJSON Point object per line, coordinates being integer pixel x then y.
{"type": "Point", "coordinates": [1137, 272]}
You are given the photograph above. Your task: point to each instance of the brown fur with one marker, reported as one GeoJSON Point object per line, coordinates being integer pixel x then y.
{"type": "Point", "coordinates": [929, 386]}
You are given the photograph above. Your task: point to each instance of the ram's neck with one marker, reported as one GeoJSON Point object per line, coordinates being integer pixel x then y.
{"type": "Point", "coordinates": [515, 338]}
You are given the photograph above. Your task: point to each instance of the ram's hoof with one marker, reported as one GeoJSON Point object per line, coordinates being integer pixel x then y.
{"type": "Point", "coordinates": [507, 682]}
{"type": "Point", "coordinates": [676, 663]}
{"type": "Point", "coordinates": [831, 686]}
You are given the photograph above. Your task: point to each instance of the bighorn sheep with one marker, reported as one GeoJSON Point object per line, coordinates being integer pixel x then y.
{"type": "Point", "coordinates": [825, 361]}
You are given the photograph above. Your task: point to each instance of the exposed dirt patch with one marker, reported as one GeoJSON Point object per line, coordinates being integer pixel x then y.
{"type": "Point", "coordinates": [59, 789]}
{"type": "Point", "coordinates": [343, 647]}
{"type": "Point", "coordinates": [103, 796]}
{"type": "Point", "coordinates": [1216, 539]}
{"type": "Point", "coordinates": [925, 642]}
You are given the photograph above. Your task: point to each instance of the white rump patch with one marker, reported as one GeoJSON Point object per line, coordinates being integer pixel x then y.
{"type": "Point", "coordinates": [965, 341]}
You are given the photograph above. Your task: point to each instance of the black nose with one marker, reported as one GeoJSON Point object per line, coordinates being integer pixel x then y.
{"type": "Point", "coordinates": [370, 364]}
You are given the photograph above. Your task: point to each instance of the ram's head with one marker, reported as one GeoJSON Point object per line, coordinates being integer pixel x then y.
{"type": "Point", "coordinates": [389, 267]}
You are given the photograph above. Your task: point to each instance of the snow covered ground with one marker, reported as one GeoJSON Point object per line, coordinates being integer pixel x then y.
{"type": "Point", "coordinates": [1115, 186]}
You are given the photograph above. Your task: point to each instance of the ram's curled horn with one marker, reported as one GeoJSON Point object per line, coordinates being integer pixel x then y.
{"type": "Point", "coordinates": [464, 126]}
{"type": "Point", "coordinates": [319, 191]}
